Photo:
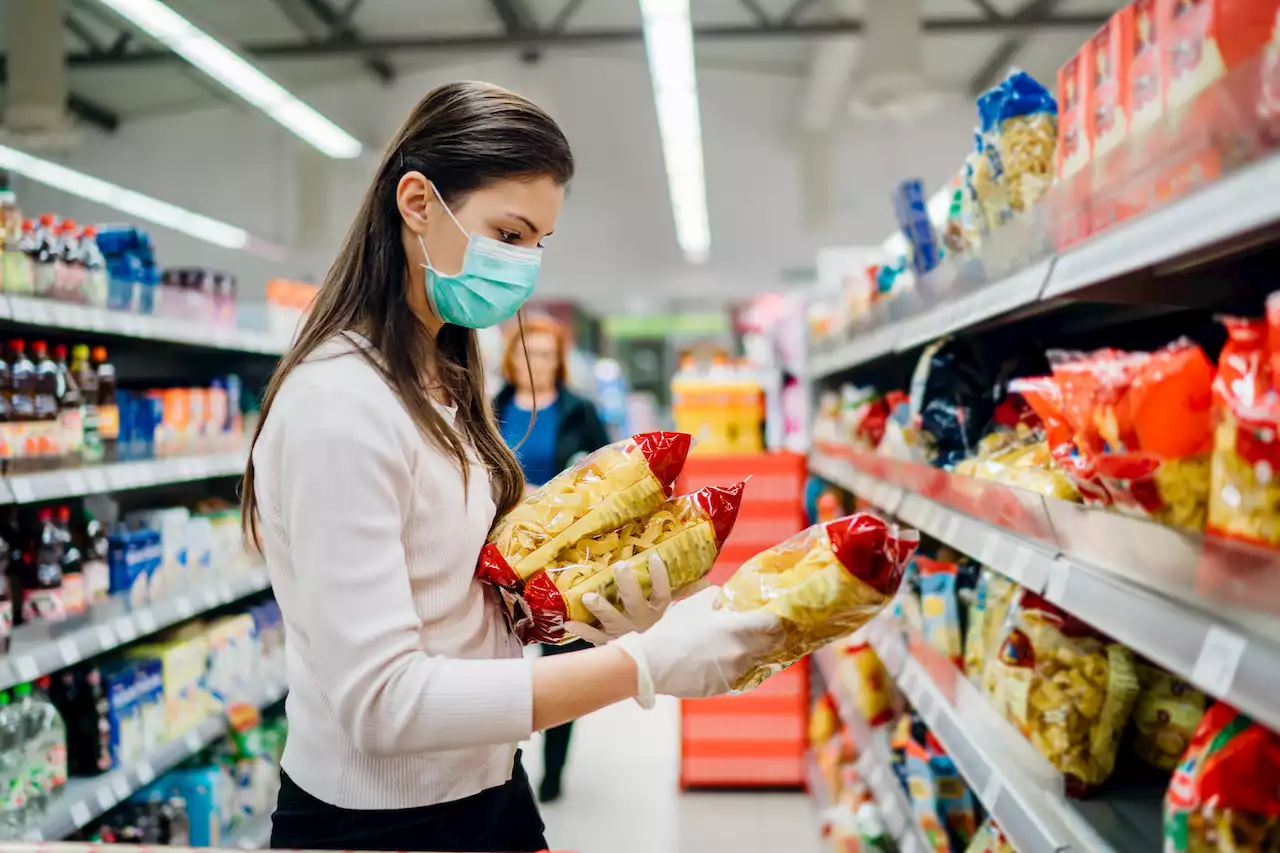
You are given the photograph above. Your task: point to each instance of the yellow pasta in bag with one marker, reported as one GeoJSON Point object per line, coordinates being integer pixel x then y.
{"type": "Point", "coordinates": [618, 483]}
{"type": "Point", "coordinates": [686, 533]}
{"type": "Point", "coordinates": [823, 583]}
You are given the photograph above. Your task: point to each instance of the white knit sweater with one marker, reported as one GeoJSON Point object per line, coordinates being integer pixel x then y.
{"type": "Point", "coordinates": [405, 686]}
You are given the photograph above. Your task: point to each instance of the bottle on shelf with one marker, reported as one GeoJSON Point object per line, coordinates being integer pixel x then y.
{"type": "Point", "coordinates": [22, 382]}
{"type": "Point", "coordinates": [42, 590]}
{"type": "Point", "coordinates": [49, 747]}
{"type": "Point", "coordinates": [23, 281]}
{"type": "Point", "coordinates": [6, 604]}
{"type": "Point", "coordinates": [46, 443]}
{"type": "Point", "coordinates": [108, 410]}
{"type": "Point", "coordinates": [86, 379]}
{"type": "Point", "coordinates": [75, 595]}
{"type": "Point", "coordinates": [81, 698]}
{"type": "Point", "coordinates": [11, 266]}
{"type": "Point", "coordinates": [47, 262]}
{"type": "Point", "coordinates": [5, 391]}
{"type": "Point", "coordinates": [95, 268]}
{"type": "Point", "coordinates": [95, 552]}
{"type": "Point", "coordinates": [13, 787]}
{"type": "Point", "coordinates": [70, 420]}
{"type": "Point", "coordinates": [71, 268]}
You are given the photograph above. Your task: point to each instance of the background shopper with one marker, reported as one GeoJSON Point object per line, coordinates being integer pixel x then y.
{"type": "Point", "coordinates": [374, 479]}
{"type": "Point", "coordinates": [565, 428]}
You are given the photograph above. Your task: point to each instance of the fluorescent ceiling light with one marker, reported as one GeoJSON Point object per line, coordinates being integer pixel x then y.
{"type": "Point", "coordinates": [231, 70]}
{"type": "Point", "coordinates": [668, 41]}
{"type": "Point", "coordinates": [127, 201]}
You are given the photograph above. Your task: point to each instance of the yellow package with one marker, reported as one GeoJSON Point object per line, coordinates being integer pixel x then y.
{"type": "Point", "coordinates": [823, 583]}
{"type": "Point", "coordinates": [618, 483]}
{"type": "Point", "coordinates": [1165, 716]}
{"type": "Point", "coordinates": [685, 532]}
{"type": "Point", "coordinates": [868, 683]}
{"type": "Point", "coordinates": [1000, 595]}
{"type": "Point", "coordinates": [1067, 689]}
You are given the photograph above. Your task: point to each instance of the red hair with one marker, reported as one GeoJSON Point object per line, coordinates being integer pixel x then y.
{"type": "Point", "coordinates": [540, 324]}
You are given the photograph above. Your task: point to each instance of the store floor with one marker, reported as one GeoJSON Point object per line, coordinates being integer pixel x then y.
{"type": "Point", "coordinates": [622, 795]}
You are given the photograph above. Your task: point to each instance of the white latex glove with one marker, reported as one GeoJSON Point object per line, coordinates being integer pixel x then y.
{"type": "Point", "coordinates": [697, 651]}
{"type": "Point", "coordinates": [638, 613]}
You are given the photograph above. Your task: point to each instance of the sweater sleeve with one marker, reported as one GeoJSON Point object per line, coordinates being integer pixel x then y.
{"type": "Point", "coordinates": [345, 478]}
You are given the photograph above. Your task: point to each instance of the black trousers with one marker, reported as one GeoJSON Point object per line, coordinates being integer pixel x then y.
{"type": "Point", "coordinates": [498, 820]}
{"type": "Point", "coordinates": [555, 742]}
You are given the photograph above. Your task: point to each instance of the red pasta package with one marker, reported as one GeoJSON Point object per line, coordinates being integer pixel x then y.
{"type": "Point", "coordinates": [1223, 797]}
{"type": "Point", "coordinates": [687, 532]}
{"type": "Point", "coordinates": [618, 483]}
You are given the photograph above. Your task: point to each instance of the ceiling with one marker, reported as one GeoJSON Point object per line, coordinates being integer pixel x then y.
{"type": "Point", "coordinates": [118, 74]}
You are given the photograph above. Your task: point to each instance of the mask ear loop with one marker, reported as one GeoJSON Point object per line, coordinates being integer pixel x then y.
{"type": "Point", "coordinates": [533, 391]}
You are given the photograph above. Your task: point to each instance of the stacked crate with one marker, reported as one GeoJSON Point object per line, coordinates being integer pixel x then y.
{"type": "Point", "coordinates": [756, 740]}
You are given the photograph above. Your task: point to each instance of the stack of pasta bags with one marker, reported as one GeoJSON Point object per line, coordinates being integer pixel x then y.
{"type": "Point", "coordinates": [614, 507]}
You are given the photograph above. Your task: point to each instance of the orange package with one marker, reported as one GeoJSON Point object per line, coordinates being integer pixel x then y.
{"type": "Point", "coordinates": [1146, 66]}
{"type": "Point", "coordinates": [1108, 120]}
{"type": "Point", "coordinates": [1205, 40]}
{"type": "Point", "coordinates": [1073, 151]}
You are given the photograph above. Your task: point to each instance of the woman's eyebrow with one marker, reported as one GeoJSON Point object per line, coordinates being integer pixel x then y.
{"type": "Point", "coordinates": [534, 228]}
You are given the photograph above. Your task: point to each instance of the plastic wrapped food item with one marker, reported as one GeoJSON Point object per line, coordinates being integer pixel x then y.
{"type": "Point", "coordinates": [924, 793]}
{"type": "Point", "coordinates": [1066, 688]}
{"type": "Point", "coordinates": [988, 173]}
{"type": "Point", "coordinates": [823, 583]}
{"type": "Point", "coordinates": [1027, 138]}
{"type": "Point", "coordinates": [1223, 796]}
{"type": "Point", "coordinates": [869, 683]}
{"type": "Point", "coordinates": [1165, 716]}
{"type": "Point", "coordinates": [953, 397]}
{"type": "Point", "coordinates": [991, 599]}
{"type": "Point", "coordinates": [955, 800]}
{"type": "Point", "coordinates": [686, 532]}
{"type": "Point", "coordinates": [944, 586]}
{"type": "Point", "coordinates": [989, 839]}
{"type": "Point", "coordinates": [618, 483]}
{"type": "Point", "coordinates": [1244, 493]}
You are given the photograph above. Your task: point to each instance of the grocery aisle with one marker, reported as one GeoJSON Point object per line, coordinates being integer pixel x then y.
{"type": "Point", "coordinates": [622, 795]}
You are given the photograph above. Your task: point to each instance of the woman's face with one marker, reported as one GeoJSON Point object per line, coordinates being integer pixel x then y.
{"type": "Point", "coordinates": [544, 360]}
{"type": "Point", "coordinates": [518, 211]}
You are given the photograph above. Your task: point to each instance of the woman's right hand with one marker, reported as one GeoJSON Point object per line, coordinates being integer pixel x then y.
{"type": "Point", "coordinates": [696, 651]}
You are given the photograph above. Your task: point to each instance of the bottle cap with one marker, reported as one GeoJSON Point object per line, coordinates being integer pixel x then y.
{"type": "Point", "coordinates": [89, 231]}
{"type": "Point", "coordinates": [22, 690]}
{"type": "Point", "coordinates": [40, 347]}
{"type": "Point", "coordinates": [60, 351]}
{"type": "Point", "coordinates": [47, 219]}
{"type": "Point", "coordinates": [18, 345]}
{"type": "Point", "coordinates": [99, 353]}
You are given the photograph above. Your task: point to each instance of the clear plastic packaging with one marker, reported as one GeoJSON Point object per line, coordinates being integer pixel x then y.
{"type": "Point", "coordinates": [687, 532]}
{"type": "Point", "coordinates": [1068, 690]}
{"type": "Point", "coordinates": [618, 483]}
{"type": "Point", "coordinates": [1027, 139]}
{"type": "Point", "coordinates": [822, 583]}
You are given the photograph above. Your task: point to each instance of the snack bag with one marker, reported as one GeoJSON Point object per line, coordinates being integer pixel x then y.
{"type": "Point", "coordinates": [955, 801]}
{"type": "Point", "coordinates": [989, 839]}
{"type": "Point", "coordinates": [1067, 689]}
{"type": "Point", "coordinates": [618, 483]}
{"type": "Point", "coordinates": [940, 606]}
{"type": "Point", "coordinates": [686, 532]}
{"type": "Point", "coordinates": [822, 583]}
{"type": "Point", "coordinates": [988, 172]}
{"type": "Point", "coordinates": [1000, 596]}
{"type": "Point", "coordinates": [870, 683]}
{"type": "Point", "coordinates": [1244, 494]}
{"type": "Point", "coordinates": [924, 794]}
{"type": "Point", "coordinates": [1026, 119]}
{"type": "Point", "coordinates": [1223, 796]}
{"type": "Point", "coordinates": [1165, 716]}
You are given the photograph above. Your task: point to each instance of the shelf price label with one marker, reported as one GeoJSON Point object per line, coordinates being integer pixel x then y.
{"type": "Point", "coordinates": [26, 668]}
{"type": "Point", "coordinates": [80, 814]}
{"type": "Point", "coordinates": [1219, 658]}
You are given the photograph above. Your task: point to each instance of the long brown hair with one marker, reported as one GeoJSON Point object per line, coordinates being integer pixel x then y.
{"type": "Point", "coordinates": [462, 137]}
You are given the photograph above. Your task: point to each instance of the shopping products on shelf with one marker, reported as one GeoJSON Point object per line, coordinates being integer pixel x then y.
{"type": "Point", "coordinates": [287, 303]}
{"type": "Point", "coordinates": [54, 413]}
{"type": "Point", "coordinates": [721, 405]}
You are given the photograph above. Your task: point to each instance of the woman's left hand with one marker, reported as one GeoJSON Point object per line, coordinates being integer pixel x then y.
{"type": "Point", "coordinates": [638, 613]}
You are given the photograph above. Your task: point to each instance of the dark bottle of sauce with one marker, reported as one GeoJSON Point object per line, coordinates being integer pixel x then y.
{"type": "Point", "coordinates": [70, 421]}
{"type": "Point", "coordinates": [22, 382]}
{"type": "Point", "coordinates": [42, 593]}
{"type": "Point", "coordinates": [74, 590]}
{"type": "Point", "coordinates": [86, 378]}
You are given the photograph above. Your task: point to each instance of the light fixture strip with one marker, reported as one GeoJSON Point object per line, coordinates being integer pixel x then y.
{"type": "Point", "coordinates": [133, 203]}
{"type": "Point", "coordinates": [237, 74]}
{"type": "Point", "coordinates": [668, 40]}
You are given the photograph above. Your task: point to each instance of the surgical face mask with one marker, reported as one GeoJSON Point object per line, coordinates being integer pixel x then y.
{"type": "Point", "coordinates": [496, 280]}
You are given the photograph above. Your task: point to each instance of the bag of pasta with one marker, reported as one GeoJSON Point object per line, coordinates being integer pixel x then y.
{"type": "Point", "coordinates": [1066, 688]}
{"type": "Point", "coordinates": [1223, 796]}
{"type": "Point", "coordinates": [1244, 494]}
{"type": "Point", "coordinates": [686, 532]}
{"type": "Point", "coordinates": [1026, 137]}
{"type": "Point", "coordinates": [823, 583]}
{"type": "Point", "coordinates": [618, 483]}
{"type": "Point", "coordinates": [1165, 716]}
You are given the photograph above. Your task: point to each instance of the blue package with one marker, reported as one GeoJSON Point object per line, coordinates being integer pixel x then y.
{"type": "Point", "coordinates": [148, 688]}
{"type": "Point", "coordinates": [954, 801]}
{"type": "Point", "coordinates": [126, 562]}
{"type": "Point", "coordinates": [912, 210]}
{"type": "Point", "coordinates": [206, 793]}
{"type": "Point", "coordinates": [126, 741]}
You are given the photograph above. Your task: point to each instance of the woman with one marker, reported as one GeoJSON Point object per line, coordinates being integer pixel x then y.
{"type": "Point", "coordinates": [565, 428]}
{"type": "Point", "coordinates": [375, 475]}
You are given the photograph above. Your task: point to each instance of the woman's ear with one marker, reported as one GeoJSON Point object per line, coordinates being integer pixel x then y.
{"type": "Point", "coordinates": [413, 198]}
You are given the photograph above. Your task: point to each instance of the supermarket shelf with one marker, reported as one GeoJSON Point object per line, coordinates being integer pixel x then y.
{"type": "Point", "coordinates": [874, 764]}
{"type": "Point", "coordinates": [51, 314]}
{"type": "Point", "coordinates": [42, 649]}
{"type": "Point", "coordinates": [1015, 784]}
{"type": "Point", "coordinates": [86, 798]}
{"type": "Point", "coordinates": [119, 476]}
{"type": "Point", "coordinates": [253, 835]}
{"type": "Point", "coordinates": [1205, 608]}
{"type": "Point", "coordinates": [951, 300]}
